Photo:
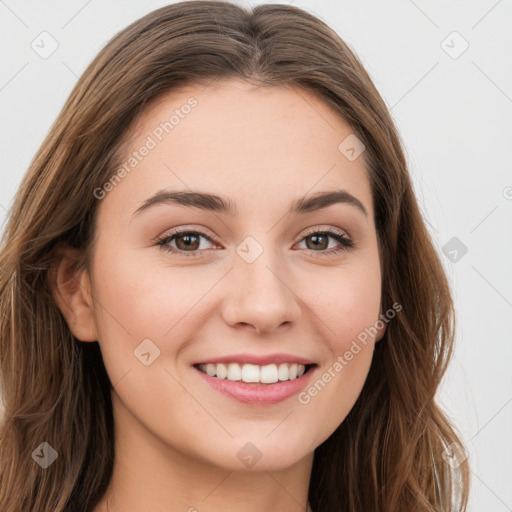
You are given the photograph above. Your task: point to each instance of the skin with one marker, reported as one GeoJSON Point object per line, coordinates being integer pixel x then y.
{"type": "Point", "coordinates": [176, 438]}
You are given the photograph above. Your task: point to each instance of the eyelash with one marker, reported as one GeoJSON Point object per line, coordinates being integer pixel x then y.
{"type": "Point", "coordinates": [346, 242]}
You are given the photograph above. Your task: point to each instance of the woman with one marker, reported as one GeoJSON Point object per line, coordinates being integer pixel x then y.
{"type": "Point", "coordinates": [217, 290]}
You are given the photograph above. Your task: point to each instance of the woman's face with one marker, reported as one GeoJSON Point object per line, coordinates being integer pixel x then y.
{"type": "Point", "coordinates": [259, 284]}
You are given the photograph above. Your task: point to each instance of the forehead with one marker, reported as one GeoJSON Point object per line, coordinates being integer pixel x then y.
{"type": "Point", "coordinates": [272, 144]}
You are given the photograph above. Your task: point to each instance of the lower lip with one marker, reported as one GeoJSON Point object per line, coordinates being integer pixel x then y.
{"type": "Point", "coordinates": [257, 393]}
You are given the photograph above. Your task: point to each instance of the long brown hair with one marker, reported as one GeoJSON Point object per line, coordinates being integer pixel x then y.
{"type": "Point", "coordinates": [389, 452]}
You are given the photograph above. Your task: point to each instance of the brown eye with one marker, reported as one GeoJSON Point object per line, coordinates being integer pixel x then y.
{"type": "Point", "coordinates": [318, 242]}
{"type": "Point", "coordinates": [187, 241]}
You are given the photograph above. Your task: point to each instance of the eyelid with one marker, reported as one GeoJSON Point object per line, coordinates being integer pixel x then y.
{"type": "Point", "coordinates": [325, 229]}
{"type": "Point", "coordinates": [186, 229]}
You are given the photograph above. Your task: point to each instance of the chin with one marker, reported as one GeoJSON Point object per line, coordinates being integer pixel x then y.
{"type": "Point", "coordinates": [260, 454]}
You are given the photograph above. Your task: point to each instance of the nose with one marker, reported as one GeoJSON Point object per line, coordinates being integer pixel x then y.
{"type": "Point", "coordinates": [260, 296]}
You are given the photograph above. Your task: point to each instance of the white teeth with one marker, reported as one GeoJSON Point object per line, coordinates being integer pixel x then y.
{"type": "Point", "coordinates": [222, 371]}
{"type": "Point", "coordinates": [234, 372]}
{"type": "Point", "coordinates": [252, 373]}
{"type": "Point", "coordinates": [282, 373]}
{"type": "Point", "coordinates": [269, 374]}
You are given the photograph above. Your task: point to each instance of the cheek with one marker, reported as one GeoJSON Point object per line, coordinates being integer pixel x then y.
{"type": "Point", "coordinates": [135, 301]}
{"type": "Point", "coordinates": [146, 298]}
{"type": "Point", "coordinates": [346, 301]}
{"type": "Point", "coordinates": [348, 309]}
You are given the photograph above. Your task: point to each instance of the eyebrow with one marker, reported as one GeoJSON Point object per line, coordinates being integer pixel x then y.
{"type": "Point", "coordinates": [215, 203]}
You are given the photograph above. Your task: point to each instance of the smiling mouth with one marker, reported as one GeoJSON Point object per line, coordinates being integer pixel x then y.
{"type": "Point", "coordinates": [256, 374]}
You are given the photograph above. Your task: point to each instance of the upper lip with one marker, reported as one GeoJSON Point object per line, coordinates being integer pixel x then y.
{"type": "Point", "coordinates": [260, 360]}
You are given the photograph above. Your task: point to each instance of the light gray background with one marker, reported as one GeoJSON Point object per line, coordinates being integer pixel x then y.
{"type": "Point", "coordinates": [454, 116]}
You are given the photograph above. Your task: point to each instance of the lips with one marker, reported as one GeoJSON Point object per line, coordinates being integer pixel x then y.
{"type": "Point", "coordinates": [254, 379]}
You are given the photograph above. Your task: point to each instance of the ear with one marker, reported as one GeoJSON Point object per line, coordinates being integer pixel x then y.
{"type": "Point", "coordinates": [71, 289]}
{"type": "Point", "coordinates": [382, 330]}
